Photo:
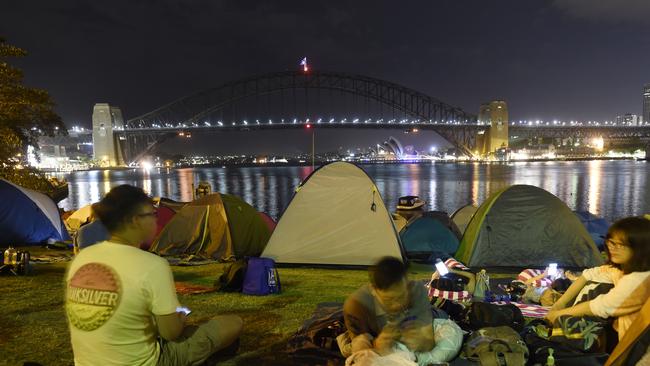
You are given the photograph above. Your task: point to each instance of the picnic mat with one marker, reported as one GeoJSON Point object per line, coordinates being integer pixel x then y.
{"type": "Point", "coordinates": [186, 288]}
{"type": "Point", "coordinates": [190, 260]}
{"type": "Point", "coordinates": [528, 310]}
{"type": "Point", "coordinates": [50, 258]}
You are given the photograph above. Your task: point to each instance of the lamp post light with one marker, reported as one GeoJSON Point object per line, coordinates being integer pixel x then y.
{"type": "Point", "coordinates": [313, 145]}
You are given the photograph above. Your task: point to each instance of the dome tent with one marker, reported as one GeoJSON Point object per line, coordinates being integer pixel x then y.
{"type": "Point", "coordinates": [336, 217]}
{"type": "Point", "coordinates": [430, 236]}
{"type": "Point", "coordinates": [28, 217]}
{"type": "Point", "coordinates": [463, 216]}
{"type": "Point", "coordinates": [596, 226]}
{"type": "Point", "coordinates": [216, 226]}
{"type": "Point", "coordinates": [525, 226]}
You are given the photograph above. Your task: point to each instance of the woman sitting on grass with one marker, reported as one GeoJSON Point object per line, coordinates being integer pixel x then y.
{"type": "Point", "coordinates": [628, 268]}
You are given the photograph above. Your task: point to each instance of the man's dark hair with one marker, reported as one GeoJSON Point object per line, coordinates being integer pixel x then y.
{"type": "Point", "coordinates": [387, 272]}
{"type": "Point", "coordinates": [120, 205]}
{"type": "Point", "coordinates": [637, 233]}
{"type": "Point", "coordinates": [561, 285]}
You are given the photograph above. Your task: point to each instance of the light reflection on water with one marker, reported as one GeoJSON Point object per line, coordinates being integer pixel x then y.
{"type": "Point", "coordinates": [612, 189]}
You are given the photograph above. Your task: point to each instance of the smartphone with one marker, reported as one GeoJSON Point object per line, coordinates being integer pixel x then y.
{"type": "Point", "coordinates": [184, 310]}
{"type": "Point", "coordinates": [552, 269]}
{"type": "Point", "coordinates": [441, 267]}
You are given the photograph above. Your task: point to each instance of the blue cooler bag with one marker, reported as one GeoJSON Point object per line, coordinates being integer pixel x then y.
{"type": "Point", "coordinates": [261, 278]}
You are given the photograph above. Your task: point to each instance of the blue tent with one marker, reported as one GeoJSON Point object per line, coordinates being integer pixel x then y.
{"type": "Point", "coordinates": [28, 217]}
{"type": "Point", "coordinates": [596, 226]}
{"type": "Point", "coordinates": [427, 238]}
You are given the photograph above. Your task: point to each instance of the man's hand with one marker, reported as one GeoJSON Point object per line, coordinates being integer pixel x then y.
{"type": "Point", "coordinates": [386, 340]}
{"type": "Point", "coordinates": [418, 337]}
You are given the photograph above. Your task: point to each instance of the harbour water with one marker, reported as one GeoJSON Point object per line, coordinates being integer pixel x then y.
{"type": "Point", "coordinates": [611, 189]}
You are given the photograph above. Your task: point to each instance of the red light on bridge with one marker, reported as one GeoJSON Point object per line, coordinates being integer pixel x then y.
{"type": "Point", "coordinates": [308, 125]}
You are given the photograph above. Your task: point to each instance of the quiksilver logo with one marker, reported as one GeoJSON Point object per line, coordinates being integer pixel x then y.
{"type": "Point", "coordinates": [93, 293]}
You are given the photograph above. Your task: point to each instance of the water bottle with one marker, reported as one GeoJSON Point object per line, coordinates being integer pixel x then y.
{"type": "Point", "coordinates": [6, 257]}
{"type": "Point", "coordinates": [10, 256]}
{"type": "Point", "coordinates": [550, 360]}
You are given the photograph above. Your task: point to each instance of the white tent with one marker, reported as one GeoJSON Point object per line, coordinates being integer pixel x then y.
{"type": "Point", "coordinates": [336, 217]}
{"type": "Point", "coordinates": [463, 216]}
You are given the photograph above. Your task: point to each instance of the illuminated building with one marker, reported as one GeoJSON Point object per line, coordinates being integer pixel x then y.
{"type": "Point", "coordinates": [495, 115]}
{"type": "Point", "coordinates": [106, 118]}
{"type": "Point", "coordinates": [646, 102]}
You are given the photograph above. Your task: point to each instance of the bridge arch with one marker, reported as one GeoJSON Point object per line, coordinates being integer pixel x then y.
{"type": "Point", "coordinates": [199, 107]}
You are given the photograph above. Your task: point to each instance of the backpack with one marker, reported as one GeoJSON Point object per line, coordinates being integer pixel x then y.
{"type": "Point", "coordinates": [562, 353]}
{"type": "Point", "coordinates": [232, 278]}
{"type": "Point", "coordinates": [495, 346]}
{"type": "Point", "coordinates": [315, 342]}
{"type": "Point", "coordinates": [483, 314]}
{"type": "Point", "coordinates": [261, 278]}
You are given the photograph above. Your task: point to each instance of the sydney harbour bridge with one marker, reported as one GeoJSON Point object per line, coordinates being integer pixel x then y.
{"type": "Point", "coordinates": [298, 100]}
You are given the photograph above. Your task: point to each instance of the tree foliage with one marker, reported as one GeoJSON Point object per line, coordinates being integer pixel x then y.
{"type": "Point", "coordinates": [25, 113]}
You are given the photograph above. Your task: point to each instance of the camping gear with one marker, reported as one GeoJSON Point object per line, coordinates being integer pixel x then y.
{"type": "Point", "coordinates": [540, 349]}
{"type": "Point", "coordinates": [494, 346]}
{"type": "Point", "coordinates": [522, 226]}
{"type": "Point", "coordinates": [585, 334]}
{"type": "Point", "coordinates": [249, 232]}
{"type": "Point", "coordinates": [262, 278]}
{"type": "Point", "coordinates": [336, 217]}
{"type": "Point", "coordinates": [452, 287]}
{"type": "Point", "coordinates": [527, 310]}
{"type": "Point", "coordinates": [232, 278]}
{"type": "Point", "coordinates": [268, 220]}
{"type": "Point", "coordinates": [427, 237]}
{"type": "Point", "coordinates": [315, 342]}
{"type": "Point", "coordinates": [216, 226]}
{"type": "Point", "coordinates": [28, 217]}
{"type": "Point", "coordinates": [484, 314]}
{"type": "Point", "coordinates": [482, 286]}
{"type": "Point", "coordinates": [463, 216]}
{"type": "Point", "coordinates": [16, 262]}
{"type": "Point", "coordinates": [443, 218]}
{"type": "Point", "coordinates": [449, 340]}
{"type": "Point", "coordinates": [199, 228]}
{"type": "Point", "coordinates": [409, 203]}
{"type": "Point", "coordinates": [203, 189]}
{"type": "Point", "coordinates": [596, 227]}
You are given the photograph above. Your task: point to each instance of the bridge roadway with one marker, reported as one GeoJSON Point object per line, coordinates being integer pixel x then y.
{"type": "Point", "coordinates": [555, 131]}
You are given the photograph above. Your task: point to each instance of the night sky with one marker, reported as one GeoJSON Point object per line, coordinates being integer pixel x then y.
{"type": "Point", "coordinates": [562, 59]}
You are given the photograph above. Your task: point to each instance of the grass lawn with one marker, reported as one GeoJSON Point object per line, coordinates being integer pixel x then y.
{"type": "Point", "coordinates": [34, 327]}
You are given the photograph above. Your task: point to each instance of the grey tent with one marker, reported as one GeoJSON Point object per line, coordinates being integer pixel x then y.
{"type": "Point", "coordinates": [463, 216]}
{"type": "Point", "coordinates": [526, 226]}
{"type": "Point", "coordinates": [336, 217]}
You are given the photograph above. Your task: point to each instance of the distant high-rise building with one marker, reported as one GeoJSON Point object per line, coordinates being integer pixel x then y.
{"type": "Point", "coordinates": [106, 118]}
{"type": "Point", "coordinates": [629, 119]}
{"type": "Point", "coordinates": [494, 114]}
{"type": "Point", "coordinates": [646, 103]}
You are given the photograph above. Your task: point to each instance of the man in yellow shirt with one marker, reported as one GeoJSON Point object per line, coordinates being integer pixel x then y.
{"type": "Point", "coordinates": [121, 301]}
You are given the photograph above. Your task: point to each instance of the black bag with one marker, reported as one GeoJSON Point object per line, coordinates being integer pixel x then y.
{"type": "Point", "coordinates": [562, 353]}
{"type": "Point", "coordinates": [450, 282]}
{"type": "Point", "coordinates": [315, 342]}
{"type": "Point", "coordinates": [483, 314]}
{"type": "Point", "coordinates": [232, 278]}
